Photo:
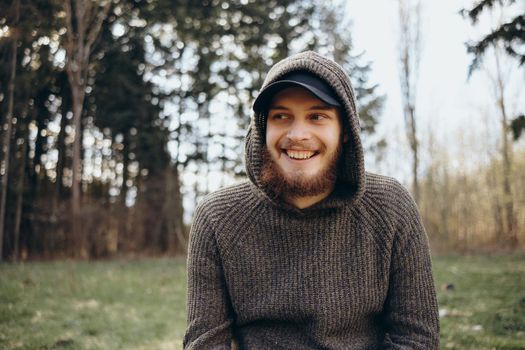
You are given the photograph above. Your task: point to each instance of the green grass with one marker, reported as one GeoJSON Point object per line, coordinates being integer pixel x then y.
{"type": "Point", "coordinates": [486, 309]}
{"type": "Point", "coordinates": [101, 305]}
{"type": "Point", "coordinates": [141, 304]}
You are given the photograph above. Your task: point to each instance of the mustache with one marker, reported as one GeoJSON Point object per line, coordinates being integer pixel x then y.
{"type": "Point", "coordinates": [286, 143]}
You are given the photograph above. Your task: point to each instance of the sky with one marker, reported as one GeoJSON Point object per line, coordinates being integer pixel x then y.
{"type": "Point", "coordinates": [446, 100]}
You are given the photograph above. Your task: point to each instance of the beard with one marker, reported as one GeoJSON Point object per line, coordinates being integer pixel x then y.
{"type": "Point", "coordinates": [280, 185]}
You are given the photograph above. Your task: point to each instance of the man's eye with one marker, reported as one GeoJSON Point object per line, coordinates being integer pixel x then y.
{"type": "Point", "coordinates": [317, 117]}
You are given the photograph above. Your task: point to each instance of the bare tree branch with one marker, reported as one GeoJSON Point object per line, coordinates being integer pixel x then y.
{"type": "Point", "coordinates": [69, 28]}
{"type": "Point", "coordinates": [409, 57]}
{"type": "Point", "coordinates": [95, 27]}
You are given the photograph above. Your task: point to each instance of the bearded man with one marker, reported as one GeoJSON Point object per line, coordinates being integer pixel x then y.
{"type": "Point", "coordinates": [311, 252]}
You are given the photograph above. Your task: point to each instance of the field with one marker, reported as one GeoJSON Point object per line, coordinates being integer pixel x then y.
{"type": "Point", "coordinates": [140, 304]}
{"type": "Point", "coordinates": [99, 305]}
{"type": "Point", "coordinates": [485, 310]}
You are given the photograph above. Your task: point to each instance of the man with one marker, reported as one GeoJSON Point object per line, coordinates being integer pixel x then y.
{"type": "Point", "coordinates": [311, 252]}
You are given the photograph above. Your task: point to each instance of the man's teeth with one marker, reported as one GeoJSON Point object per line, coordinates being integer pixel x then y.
{"type": "Point", "coordinates": [300, 154]}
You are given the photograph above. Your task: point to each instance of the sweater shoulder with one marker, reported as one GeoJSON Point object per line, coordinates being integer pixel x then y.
{"type": "Point", "coordinates": [389, 197]}
{"type": "Point", "coordinates": [226, 202]}
{"type": "Point", "coordinates": [387, 189]}
{"type": "Point", "coordinates": [388, 203]}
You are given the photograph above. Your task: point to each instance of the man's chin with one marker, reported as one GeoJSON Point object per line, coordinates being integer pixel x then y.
{"type": "Point", "coordinates": [306, 187]}
{"type": "Point", "coordinates": [295, 183]}
{"type": "Point", "coordinates": [302, 180]}
{"type": "Point", "coordinates": [298, 175]}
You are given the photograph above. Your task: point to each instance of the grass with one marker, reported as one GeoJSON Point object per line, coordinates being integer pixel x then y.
{"type": "Point", "coordinates": [100, 305]}
{"type": "Point", "coordinates": [486, 308]}
{"type": "Point", "coordinates": [141, 304]}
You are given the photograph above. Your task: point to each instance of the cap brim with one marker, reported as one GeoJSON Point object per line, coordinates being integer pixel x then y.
{"type": "Point", "coordinates": [262, 101]}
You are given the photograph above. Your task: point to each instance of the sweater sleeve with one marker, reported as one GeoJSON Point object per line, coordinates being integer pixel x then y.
{"type": "Point", "coordinates": [209, 312]}
{"type": "Point", "coordinates": [411, 310]}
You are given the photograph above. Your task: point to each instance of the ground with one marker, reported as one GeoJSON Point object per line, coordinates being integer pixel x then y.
{"type": "Point", "coordinates": [484, 304]}
{"type": "Point", "coordinates": [141, 304]}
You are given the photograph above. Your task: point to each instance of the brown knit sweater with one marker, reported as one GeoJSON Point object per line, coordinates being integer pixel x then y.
{"type": "Point", "coordinates": [350, 272]}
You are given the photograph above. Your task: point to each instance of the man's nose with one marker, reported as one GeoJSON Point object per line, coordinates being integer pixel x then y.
{"type": "Point", "coordinates": [298, 131]}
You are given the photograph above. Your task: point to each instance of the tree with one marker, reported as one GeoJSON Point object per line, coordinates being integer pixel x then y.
{"type": "Point", "coordinates": [499, 80]}
{"type": "Point", "coordinates": [6, 142]}
{"type": "Point", "coordinates": [511, 35]}
{"type": "Point", "coordinates": [84, 19]}
{"type": "Point", "coordinates": [33, 90]}
{"type": "Point", "coordinates": [409, 56]}
{"type": "Point", "coordinates": [517, 126]}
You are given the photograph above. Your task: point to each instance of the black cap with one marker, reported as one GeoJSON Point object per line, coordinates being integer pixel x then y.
{"type": "Point", "coordinates": [310, 82]}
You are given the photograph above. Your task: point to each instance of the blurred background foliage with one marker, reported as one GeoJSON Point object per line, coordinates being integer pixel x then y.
{"type": "Point", "coordinates": [119, 115]}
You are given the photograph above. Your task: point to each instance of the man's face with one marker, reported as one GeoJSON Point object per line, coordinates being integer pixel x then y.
{"type": "Point", "coordinates": [303, 139]}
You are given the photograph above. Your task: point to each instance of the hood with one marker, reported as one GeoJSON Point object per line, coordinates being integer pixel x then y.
{"type": "Point", "coordinates": [351, 178]}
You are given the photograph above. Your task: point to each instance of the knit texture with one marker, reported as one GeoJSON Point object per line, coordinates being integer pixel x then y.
{"type": "Point", "coordinates": [350, 272]}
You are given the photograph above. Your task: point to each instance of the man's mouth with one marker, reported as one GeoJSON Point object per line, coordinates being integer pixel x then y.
{"type": "Point", "coordinates": [299, 155]}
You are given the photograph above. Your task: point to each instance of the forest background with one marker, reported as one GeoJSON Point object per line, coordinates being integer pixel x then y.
{"type": "Point", "coordinates": [118, 116]}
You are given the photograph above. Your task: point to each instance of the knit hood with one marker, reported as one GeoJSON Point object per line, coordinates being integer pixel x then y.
{"type": "Point", "coordinates": [351, 176]}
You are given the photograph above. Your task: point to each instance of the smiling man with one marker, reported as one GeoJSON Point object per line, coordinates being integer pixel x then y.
{"type": "Point", "coordinates": [312, 252]}
{"type": "Point", "coordinates": [303, 142]}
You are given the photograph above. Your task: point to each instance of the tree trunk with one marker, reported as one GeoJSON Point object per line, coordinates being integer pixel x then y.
{"type": "Point", "coordinates": [444, 212]}
{"type": "Point", "coordinates": [123, 212]}
{"type": "Point", "coordinates": [508, 203]}
{"type": "Point", "coordinates": [78, 99]}
{"type": "Point", "coordinates": [173, 212]}
{"type": "Point", "coordinates": [410, 50]}
{"type": "Point", "coordinates": [83, 22]}
{"type": "Point", "coordinates": [125, 168]}
{"type": "Point", "coordinates": [20, 196]}
{"type": "Point", "coordinates": [61, 148]}
{"type": "Point", "coordinates": [8, 120]}
{"type": "Point", "coordinates": [510, 237]}
{"type": "Point", "coordinates": [414, 147]}
{"type": "Point", "coordinates": [205, 114]}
